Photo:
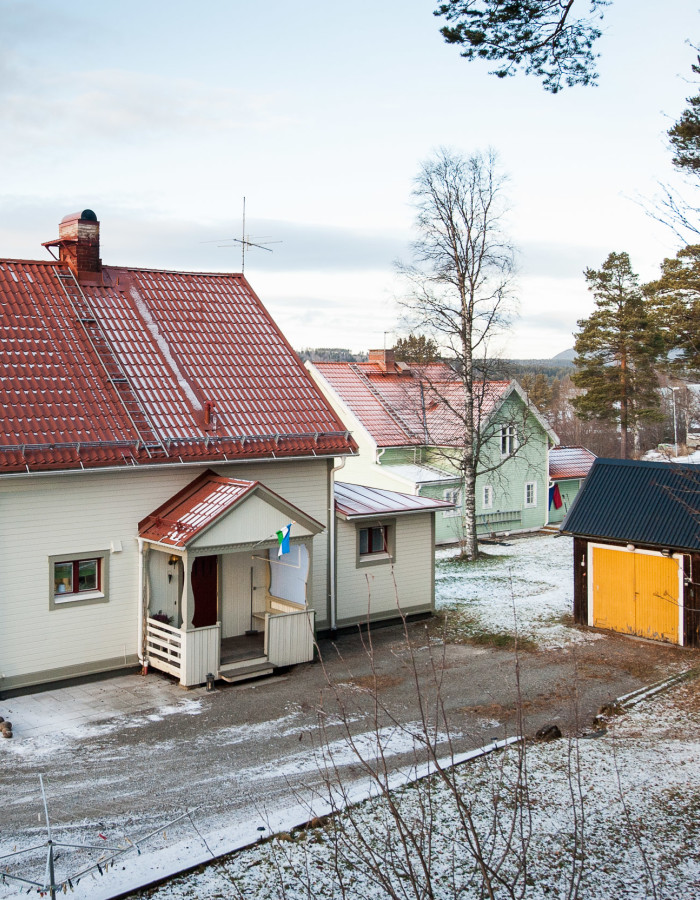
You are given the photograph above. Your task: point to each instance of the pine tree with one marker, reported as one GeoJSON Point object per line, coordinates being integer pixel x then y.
{"type": "Point", "coordinates": [416, 348]}
{"type": "Point", "coordinates": [685, 134]}
{"type": "Point", "coordinates": [675, 300]}
{"type": "Point", "coordinates": [616, 349]}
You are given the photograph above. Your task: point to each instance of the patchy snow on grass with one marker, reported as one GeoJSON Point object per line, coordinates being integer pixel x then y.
{"type": "Point", "coordinates": [617, 811]}
{"type": "Point", "coordinates": [522, 586]}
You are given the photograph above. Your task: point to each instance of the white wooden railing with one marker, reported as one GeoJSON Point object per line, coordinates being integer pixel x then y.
{"type": "Point", "coordinates": [164, 647]}
{"type": "Point", "coordinates": [188, 655]}
{"type": "Point", "coordinates": [202, 654]}
{"type": "Point", "coordinates": [289, 636]}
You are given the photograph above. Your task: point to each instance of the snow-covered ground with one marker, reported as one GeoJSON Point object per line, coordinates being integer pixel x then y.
{"type": "Point", "coordinates": [618, 809]}
{"type": "Point", "coordinates": [523, 584]}
{"type": "Point", "coordinates": [660, 456]}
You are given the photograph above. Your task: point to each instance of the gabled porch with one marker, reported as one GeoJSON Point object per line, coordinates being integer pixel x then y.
{"type": "Point", "coordinates": [217, 599]}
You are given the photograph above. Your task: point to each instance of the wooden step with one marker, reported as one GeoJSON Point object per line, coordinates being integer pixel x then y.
{"type": "Point", "coordinates": [238, 672]}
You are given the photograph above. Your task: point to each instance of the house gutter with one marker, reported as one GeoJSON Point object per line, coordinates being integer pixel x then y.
{"type": "Point", "coordinates": [332, 530]}
{"type": "Point", "coordinates": [150, 467]}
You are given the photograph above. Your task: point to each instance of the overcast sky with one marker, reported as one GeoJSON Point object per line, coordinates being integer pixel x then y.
{"type": "Point", "coordinates": [161, 116]}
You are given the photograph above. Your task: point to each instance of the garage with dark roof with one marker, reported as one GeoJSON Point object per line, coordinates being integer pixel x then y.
{"type": "Point", "coordinates": [636, 529]}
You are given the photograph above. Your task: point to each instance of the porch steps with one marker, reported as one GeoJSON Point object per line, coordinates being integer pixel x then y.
{"type": "Point", "coordinates": [246, 669]}
{"type": "Point", "coordinates": [550, 529]}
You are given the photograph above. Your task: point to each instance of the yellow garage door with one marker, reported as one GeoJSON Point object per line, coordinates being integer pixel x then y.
{"type": "Point", "coordinates": [636, 593]}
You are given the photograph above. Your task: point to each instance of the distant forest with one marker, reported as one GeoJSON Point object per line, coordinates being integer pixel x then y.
{"type": "Point", "coordinates": [330, 354]}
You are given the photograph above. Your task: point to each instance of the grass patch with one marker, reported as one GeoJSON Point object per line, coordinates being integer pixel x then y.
{"type": "Point", "coordinates": [483, 561]}
{"type": "Point", "coordinates": [455, 626]}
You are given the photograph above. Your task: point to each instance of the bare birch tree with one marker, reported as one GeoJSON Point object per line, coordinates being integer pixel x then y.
{"type": "Point", "coordinates": [460, 288]}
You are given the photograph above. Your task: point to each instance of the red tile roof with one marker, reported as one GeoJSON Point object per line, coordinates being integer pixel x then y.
{"type": "Point", "coordinates": [200, 503]}
{"type": "Point", "coordinates": [122, 375]}
{"type": "Point", "coordinates": [570, 462]}
{"type": "Point", "coordinates": [355, 501]}
{"type": "Point", "coordinates": [414, 406]}
{"type": "Point", "coordinates": [192, 509]}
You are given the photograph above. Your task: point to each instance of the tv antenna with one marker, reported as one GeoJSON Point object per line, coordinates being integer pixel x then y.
{"type": "Point", "coordinates": [244, 241]}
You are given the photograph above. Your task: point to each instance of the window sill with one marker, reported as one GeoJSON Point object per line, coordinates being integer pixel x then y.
{"type": "Point", "coordinates": [61, 599]}
{"type": "Point", "coordinates": [375, 559]}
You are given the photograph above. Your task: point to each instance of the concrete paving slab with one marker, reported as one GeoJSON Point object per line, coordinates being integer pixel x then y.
{"type": "Point", "coordinates": [90, 703]}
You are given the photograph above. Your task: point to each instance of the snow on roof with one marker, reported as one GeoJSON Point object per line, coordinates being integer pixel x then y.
{"type": "Point", "coordinates": [570, 462]}
{"type": "Point", "coordinates": [123, 377]}
{"type": "Point", "coordinates": [419, 474]}
{"type": "Point", "coordinates": [409, 406]}
{"type": "Point", "coordinates": [355, 501]}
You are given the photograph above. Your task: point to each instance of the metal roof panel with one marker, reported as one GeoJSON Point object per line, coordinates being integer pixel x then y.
{"type": "Point", "coordinates": [638, 502]}
{"type": "Point", "coordinates": [357, 501]}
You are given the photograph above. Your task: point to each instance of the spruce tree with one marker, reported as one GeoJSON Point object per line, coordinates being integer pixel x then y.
{"type": "Point", "coordinates": [616, 348]}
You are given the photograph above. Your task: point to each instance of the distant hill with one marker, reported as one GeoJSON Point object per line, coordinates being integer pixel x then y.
{"type": "Point", "coordinates": [566, 355]}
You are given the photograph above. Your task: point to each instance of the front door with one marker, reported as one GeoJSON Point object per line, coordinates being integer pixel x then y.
{"type": "Point", "coordinates": [204, 589]}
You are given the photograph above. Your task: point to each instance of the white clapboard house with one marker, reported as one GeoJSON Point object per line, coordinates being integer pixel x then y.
{"type": "Point", "coordinates": [158, 431]}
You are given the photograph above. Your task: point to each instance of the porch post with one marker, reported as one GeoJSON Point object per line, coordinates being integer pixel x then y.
{"type": "Point", "coordinates": [187, 600]}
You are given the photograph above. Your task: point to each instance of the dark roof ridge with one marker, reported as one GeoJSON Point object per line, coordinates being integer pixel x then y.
{"type": "Point", "coordinates": [646, 463]}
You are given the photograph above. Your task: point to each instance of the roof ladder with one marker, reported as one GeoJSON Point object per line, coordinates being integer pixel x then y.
{"type": "Point", "coordinates": [108, 359]}
{"type": "Point", "coordinates": [385, 406]}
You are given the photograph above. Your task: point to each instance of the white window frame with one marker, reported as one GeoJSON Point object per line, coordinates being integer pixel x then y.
{"type": "Point", "coordinates": [509, 440]}
{"type": "Point", "coordinates": [533, 502]}
{"type": "Point", "coordinates": [487, 497]}
{"type": "Point", "coordinates": [452, 495]}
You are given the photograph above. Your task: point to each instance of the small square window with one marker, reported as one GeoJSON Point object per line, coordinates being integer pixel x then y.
{"type": "Point", "coordinates": [376, 544]}
{"type": "Point", "coordinates": [373, 540]}
{"type": "Point", "coordinates": [76, 576]}
{"type": "Point", "coordinates": [487, 497]}
{"type": "Point", "coordinates": [81, 579]}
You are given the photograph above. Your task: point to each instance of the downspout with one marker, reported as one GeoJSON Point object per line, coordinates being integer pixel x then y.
{"type": "Point", "coordinates": [379, 452]}
{"type": "Point", "coordinates": [143, 659]}
{"type": "Point", "coordinates": [334, 549]}
{"type": "Point", "coordinates": [547, 482]}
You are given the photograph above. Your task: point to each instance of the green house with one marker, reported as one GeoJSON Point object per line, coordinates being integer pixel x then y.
{"type": "Point", "coordinates": [568, 466]}
{"type": "Point", "coordinates": [408, 433]}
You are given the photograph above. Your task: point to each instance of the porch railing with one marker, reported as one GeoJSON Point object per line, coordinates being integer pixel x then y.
{"type": "Point", "coordinates": [164, 647]}
{"type": "Point", "coordinates": [289, 636]}
{"type": "Point", "coordinates": [512, 516]}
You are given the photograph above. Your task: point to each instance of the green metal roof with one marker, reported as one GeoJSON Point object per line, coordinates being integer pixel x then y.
{"type": "Point", "coordinates": [655, 503]}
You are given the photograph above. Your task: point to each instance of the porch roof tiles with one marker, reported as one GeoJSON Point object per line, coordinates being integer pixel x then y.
{"type": "Point", "coordinates": [192, 509]}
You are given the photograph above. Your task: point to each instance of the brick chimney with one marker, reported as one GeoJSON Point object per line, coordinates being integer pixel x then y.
{"type": "Point", "coordinates": [79, 244]}
{"type": "Point", "coordinates": [384, 359]}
